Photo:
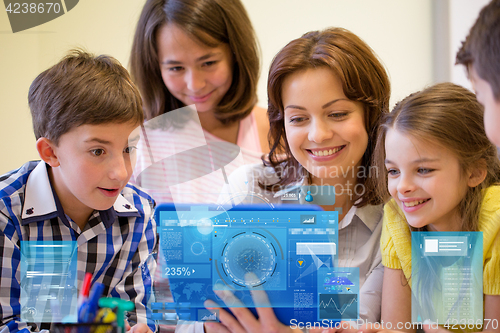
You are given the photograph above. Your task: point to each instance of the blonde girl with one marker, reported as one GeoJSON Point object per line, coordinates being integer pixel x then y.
{"type": "Point", "coordinates": [442, 175]}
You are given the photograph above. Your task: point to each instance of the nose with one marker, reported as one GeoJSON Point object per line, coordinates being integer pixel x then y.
{"type": "Point", "coordinates": [320, 131]}
{"type": "Point", "coordinates": [406, 184]}
{"type": "Point", "coordinates": [195, 81]}
{"type": "Point", "coordinates": [121, 169]}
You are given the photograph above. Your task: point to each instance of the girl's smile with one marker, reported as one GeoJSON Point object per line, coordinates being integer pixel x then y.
{"type": "Point", "coordinates": [413, 204]}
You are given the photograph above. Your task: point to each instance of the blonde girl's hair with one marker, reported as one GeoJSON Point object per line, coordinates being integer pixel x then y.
{"type": "Point", "coordinates": [448, 115]}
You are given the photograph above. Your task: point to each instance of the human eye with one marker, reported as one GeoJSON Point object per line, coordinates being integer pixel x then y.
{"type": "Point", "coordinates": [296, 120]}
{"type": "Point", "coordinates": [209, 63]}
{"type": "Point", "coordinates": [424, 171]}
{"type": "Point", "coordinates": [97, 152]}
{"type": "Point", "coordinates": [130, 149]}
{"type": "Point", "coordinates": [175, 69]}
{"type": "Point", "coordinates": [392, 172]}
{"type": "Point", "coordinates": [338, 115]}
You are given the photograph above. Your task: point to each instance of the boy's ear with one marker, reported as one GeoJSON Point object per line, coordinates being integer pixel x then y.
{"type": "Point", "coordinates": [47, 151]}
{"type": "Point", "coordinates": [477, 174]}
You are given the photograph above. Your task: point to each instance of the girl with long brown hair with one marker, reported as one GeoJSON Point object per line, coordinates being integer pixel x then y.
{"type": "Point", "coordinates": [202, 54]}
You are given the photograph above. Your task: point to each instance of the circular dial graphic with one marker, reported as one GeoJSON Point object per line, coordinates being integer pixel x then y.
{"type": "Point", "coordinates": [249, 252]}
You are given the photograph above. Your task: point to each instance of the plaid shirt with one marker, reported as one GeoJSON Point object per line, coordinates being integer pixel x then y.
{"type": "Point", "coordinates": [115, 245]}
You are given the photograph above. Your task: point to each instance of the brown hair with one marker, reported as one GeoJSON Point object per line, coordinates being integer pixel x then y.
{"type": "Point", "coordinates": [212, 22]}
{"type": "Point", "coordinates": [482, 46]}
{"type": "Point", "coordinates": [363, 78]}
{"type": "Point", "coordinates": [82, 89]}
{"type": "Point", "coordinates": [449, 115]}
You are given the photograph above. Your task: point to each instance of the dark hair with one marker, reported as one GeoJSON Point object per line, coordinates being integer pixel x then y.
{"type": "Point", "coordinates": [482, 46]}
{"type": "Point", "coordinates": [211, 22]}
{"type": "Point", "coordinates": [449, 115]}
{"type": "Point", "coordinates": [363, 78]}
{"type": "Point", "coordinates": [82, 89]}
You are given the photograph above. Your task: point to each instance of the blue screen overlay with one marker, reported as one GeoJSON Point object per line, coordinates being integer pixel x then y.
{"type": "Point", "coordinates": [205, 249]}
{"type": "Point", "coordinates": [447, 277]}
{"type": "Point", "coordinates": [338, 290]}
{"type": "Point", "coordinates": [48, 281]}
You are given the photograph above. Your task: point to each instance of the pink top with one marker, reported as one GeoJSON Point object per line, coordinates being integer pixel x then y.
{"type": "Point", "coordinates": [248, 134]}
{"type": "Point", "coordinates": [176, 165]}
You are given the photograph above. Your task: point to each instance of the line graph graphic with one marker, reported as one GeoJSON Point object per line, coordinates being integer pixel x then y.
{"type": "Point", "coordinates": [338, 290]}
{"type": "Point", "coordinates": [338, 306]}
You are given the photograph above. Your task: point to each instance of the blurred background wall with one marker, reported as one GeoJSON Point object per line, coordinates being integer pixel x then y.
{"type": "Point", "coordinates": [415, 39]}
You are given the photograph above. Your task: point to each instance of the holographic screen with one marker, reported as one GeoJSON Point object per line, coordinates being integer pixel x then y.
{"type": "Point", "coordinates": [204, 248]}
{"type": "Point", "coordinates": [48, 281]}
{"type": "Point", "coordinates": [447, 277]}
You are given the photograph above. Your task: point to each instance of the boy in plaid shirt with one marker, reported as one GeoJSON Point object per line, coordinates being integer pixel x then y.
{"type": "Point", "coordinates": [86, 116]}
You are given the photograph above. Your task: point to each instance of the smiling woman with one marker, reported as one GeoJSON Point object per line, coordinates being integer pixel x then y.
{"type": "Point", "coordinates": [325, 133]}
{"type": "Point", "coordinates": [327, 91]}
{"type": "Point", "coordinates": [194, 73]}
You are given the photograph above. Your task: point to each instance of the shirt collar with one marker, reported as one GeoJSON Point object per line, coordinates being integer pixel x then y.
{"type": "Point", "coordinates": [41, 202]}
{"type": "Point", "coordinates": [370, 215]}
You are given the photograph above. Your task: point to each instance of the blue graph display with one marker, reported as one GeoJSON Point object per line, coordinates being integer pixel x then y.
{"type": "Point", "coordinates": [338, 306]}
{"type": "Point", "coordinates": [338, 290]}
{"type": "Point", "coordinates": [205, 250]}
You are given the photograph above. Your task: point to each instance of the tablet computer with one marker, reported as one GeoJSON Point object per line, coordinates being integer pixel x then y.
{"type": "Point", "coordinates": [291, 251]}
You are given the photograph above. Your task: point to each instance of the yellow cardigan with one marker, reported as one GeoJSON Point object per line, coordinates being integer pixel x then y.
{"type": "Point", "coordinates": [395, 243]}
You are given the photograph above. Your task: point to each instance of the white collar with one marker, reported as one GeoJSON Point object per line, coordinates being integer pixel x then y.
{"type": "Point", "coordinates": [370, 215]}
{"type": "Point", "coordinates": [39, 201]}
